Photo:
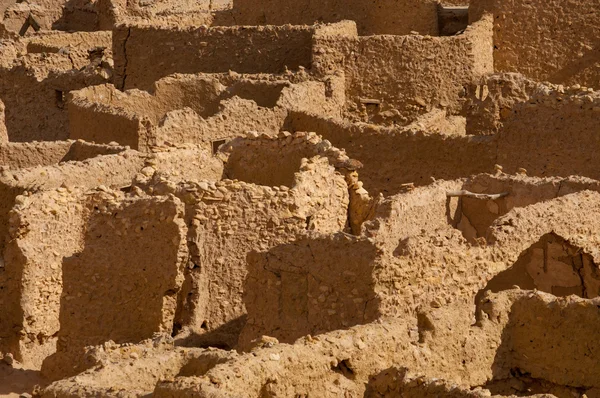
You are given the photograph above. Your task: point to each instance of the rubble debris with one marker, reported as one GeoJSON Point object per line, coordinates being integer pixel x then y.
{"type": "Point", "coordinates": [266, 198]}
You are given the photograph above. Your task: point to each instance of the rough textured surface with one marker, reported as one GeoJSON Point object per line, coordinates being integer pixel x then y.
{"type": "Point", "coordinates": [560, 47]}
{"type": "Point", "coordinates": [243, 198]}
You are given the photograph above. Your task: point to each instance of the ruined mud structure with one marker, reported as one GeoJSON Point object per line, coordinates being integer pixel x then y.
{"type": "Point", "coordinates": [266, 198]}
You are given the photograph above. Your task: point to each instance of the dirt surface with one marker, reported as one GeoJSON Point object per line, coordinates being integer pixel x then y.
{"type": "Point", "coordinates": [260, 198]}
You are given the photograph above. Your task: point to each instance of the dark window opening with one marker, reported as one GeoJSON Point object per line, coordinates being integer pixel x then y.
{"type": "Point", "coordinates": [216, 145]}
{"type": "Point", "coordinates": [60, 98]}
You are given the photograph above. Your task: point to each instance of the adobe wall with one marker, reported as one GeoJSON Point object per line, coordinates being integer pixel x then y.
{"type": "Point", "coordinates": [564, 122]}
{"type": "Point", "coordinates": [267, 49]}
{"type": "Point", "coordinates": [566, 216]}
{"type": "Point", "coordinates": [541, 348]}
{"type": "Point", "coordinates": [330, 288]}
{"type": "Point", "coordinates": [77, 44]}
{"type": "Point", "coordinates": [34, 94]}
{"type": "Point", "coordinates": [489, 100]}
{"type": "Point", "coordinates": [458, 358]}
{"type": "Point", "coordinates": [34, 260]}
{"type": "Point", "coordinates": [132, 256]}
{"type": "Point", "coordinates": [62, 15]}
{"type": "Point", "coordinates": [415, 73]}
{"type": "Point", "coordinates": [200, 109]}
{"type": "Point", "coordinates": [104, 114]}
{"type": "Point", "coordinates": [396, 156]}
{"type": "Point", "coordinates": [52, 219]}
{"type": "Point", "coordinates": [391, 17]}
{"type": "Point", "coordinates": [236, 117]}
{"type": "Point", "coordinates": [21, 155]}
{"type": "Point", "coordinates": [559, 47]}
{"type": "Point", "coordinates": [310, 195]}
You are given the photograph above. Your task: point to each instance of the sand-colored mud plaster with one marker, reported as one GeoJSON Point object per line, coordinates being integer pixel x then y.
{"type": "Point", "coordinates": [276, 189]}
{"type": "Point", "coordinates": [565, 131]}
{"type": "Point", "coordinates": [396, 156]}
{"type": "Point", "coordinates": [533, 338]}
{"type": "Point", "coordinates": [559, 47]}
{"type": "Point", "coordinates": [390, 17]}
{"type": "Point", "coordinates": [32, 267]}
{"type": "Point", "coordinates": [219, 229]}
{"type": "Point", "coordinates": [22, 155]}
{"type": "Point", "coordinates": [34, 85]}
{"type": "Point", "coordinates": [397, 381]}
{"type": "Point", "coordinates": [461, 359]}
{"type": "Point", "coordinates": [203, 109]}
{"type": "Point", "coordinates": [331, 288]}
{"type": "Point", "coordinates": [29, 18]}
{"type": "Point", "coordinates": [76, 45]}
{"type": "Point", "coordinates": [414, 73]}
{"type": "Point", "coordinates": [193, 49]}
{"type": "Point", "coordinates": [148, 236]}
{"type": "Point", "coordinates": [152, 360]}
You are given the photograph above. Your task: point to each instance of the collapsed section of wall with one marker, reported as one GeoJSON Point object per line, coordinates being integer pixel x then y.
{"type": "Point", "coordinates": [205, 109]}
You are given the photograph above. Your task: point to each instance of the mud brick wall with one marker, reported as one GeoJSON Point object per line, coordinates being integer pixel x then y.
{"type": "Point", "coordinates": [47, 226]}
{"type": "Point", "coordinates": [310, 286]}
{"type": "Point", "coordinates": [536, 334]}
{"type": "Point", "coordinates": [560, 47]}
{"type": "Point", "coordinates": [414, 73]}
{"type": "Point", "coordinates": [393, 156]}
{"type": "Point", "coordinates": [125, 244]}
{"type": "Point", "coordinates": [230, 218]}
{"type": "Point", "coordinates": [235, 118]}
{"type": "Point", "coordinates": [104, 114]}
{"type": "Point", "coordinates": [77, 44]}
{"type": "Point", "coordinates": [31, 301]}
{"type": "Point", "coordinates": [391, 17]}
{"type": "Point", "coordinates": [21, 155]}
{"type": "Point", "coordinates": [144, 54]}
{"type": "Point", "coordinates": [566, 135]}
{"type": "Point", "coordinates": [36, 101]}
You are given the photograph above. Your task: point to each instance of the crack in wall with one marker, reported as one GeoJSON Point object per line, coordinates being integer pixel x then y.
{"type": "Point", "coordinates": [124, 72]}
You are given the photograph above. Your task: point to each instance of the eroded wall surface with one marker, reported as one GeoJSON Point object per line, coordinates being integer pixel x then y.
{"type": "Point", "coordinates": [371, 199]}
{"type": "Point", "coordinates": [266, 49]}
{"type": "Point", "coordinates": [559, 47]}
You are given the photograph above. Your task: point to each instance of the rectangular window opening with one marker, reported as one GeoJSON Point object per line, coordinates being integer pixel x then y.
{"type": "Point", "coordinates": [60, 98]}
{"type": "Point", "coordinates": [216, 145]}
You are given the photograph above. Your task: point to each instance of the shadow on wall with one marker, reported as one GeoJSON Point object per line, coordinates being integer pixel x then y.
{"type": "Point", "coordinates": [578, 67]}
{"type": "Point", "coordinates": [311, 286]}
{"type": "Point", "coordinates": [548, 339]}
{"type": "Point", "coordinates": [219, 337]}
{"type": "Point", "coordinates": [122, 285]}
{"type": "Point", "coordinates": [551, 265]}
{"type": "Point", "coordinates": [392, 157]}
{"type": "Point", "coordinates": [17, 381]}
{"type": "Point", "coordinates": [77, 15]}
{"type": "Point", "coordinates": [268, 165]}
